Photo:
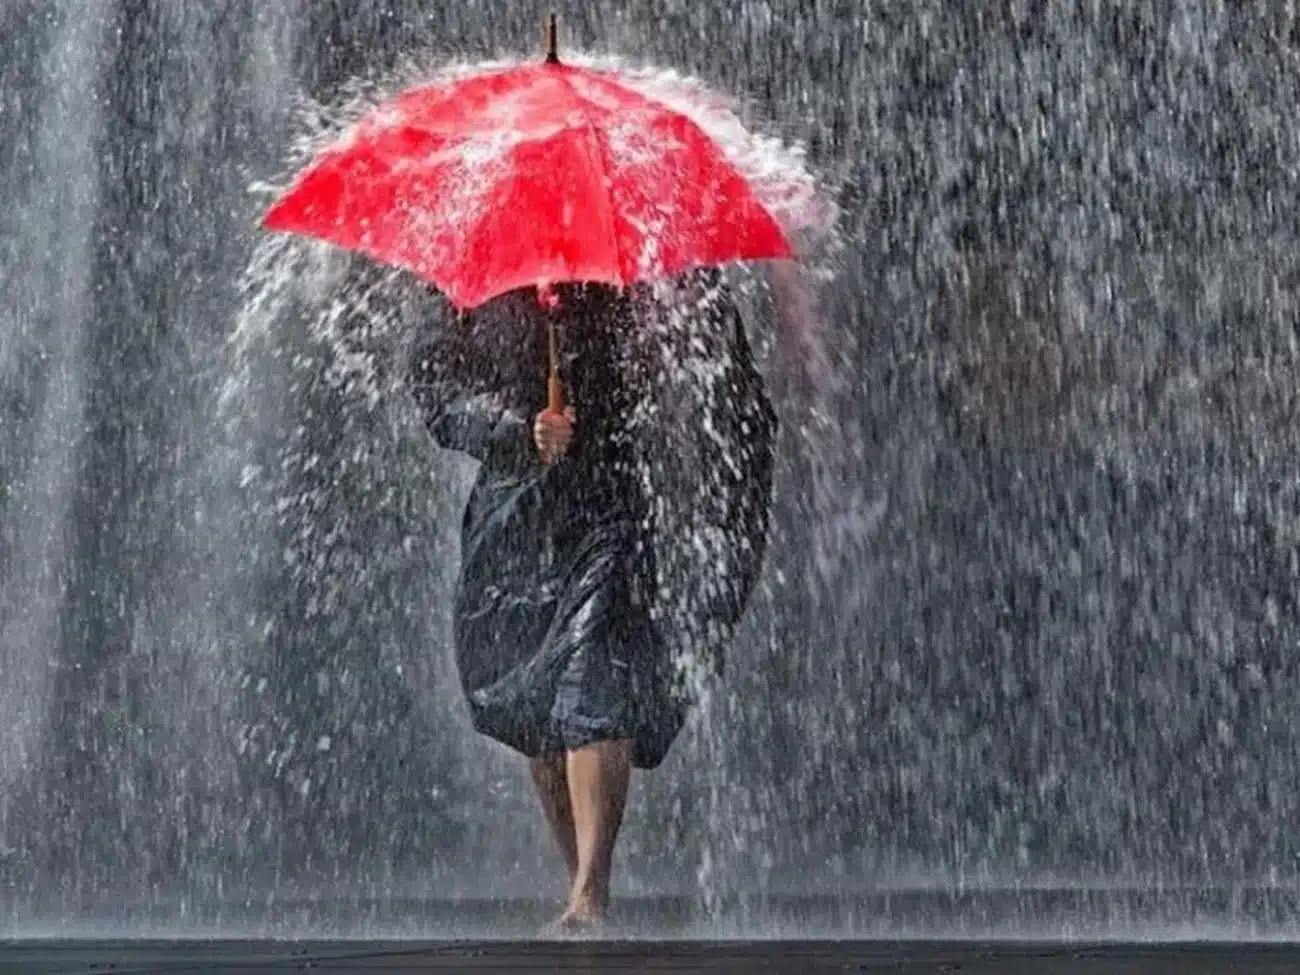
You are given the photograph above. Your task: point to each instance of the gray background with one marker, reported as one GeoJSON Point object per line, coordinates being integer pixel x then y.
{"type": "Point", "coordinates": [1033, 620]}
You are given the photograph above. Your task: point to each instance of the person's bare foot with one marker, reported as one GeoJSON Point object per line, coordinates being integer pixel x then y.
{"type": "Point", "coordinates": [573, 924]}
{"type": "Point", "coordinates": [583, 915]}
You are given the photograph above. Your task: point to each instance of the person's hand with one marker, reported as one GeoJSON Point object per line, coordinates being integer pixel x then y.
{"type": "Point", "coordinates": [553, 433]}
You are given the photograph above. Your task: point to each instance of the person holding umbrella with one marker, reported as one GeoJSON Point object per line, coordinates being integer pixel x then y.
{"type": "Point", "coordinates": [561, 213]}
{"type": "Point", "coordinates": [556, 646]}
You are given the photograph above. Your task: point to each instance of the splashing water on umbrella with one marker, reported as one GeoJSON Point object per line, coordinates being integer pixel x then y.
{"type": "Point", "coordinates": [777, 172]}
{"type": "Point", "coordinates": [315, 316]}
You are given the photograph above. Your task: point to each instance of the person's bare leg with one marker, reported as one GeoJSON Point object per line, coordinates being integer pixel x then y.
{"type": "Point", "coordinates": [552, 785]}
{"type": "Point", "coordinates": [598, 780]}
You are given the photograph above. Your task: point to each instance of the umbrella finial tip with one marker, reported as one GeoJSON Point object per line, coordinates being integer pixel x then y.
{"type": "Point", "coordinates": [552, 40]}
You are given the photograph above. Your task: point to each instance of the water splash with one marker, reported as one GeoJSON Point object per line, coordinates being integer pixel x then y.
{"type": "Point", "coordinates": [782, 178]}
{"type": "Point", "coordinates": [358, 319]}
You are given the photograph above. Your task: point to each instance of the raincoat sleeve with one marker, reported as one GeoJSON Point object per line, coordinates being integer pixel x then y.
{"type": "Point", "coordinates": [477, 423]}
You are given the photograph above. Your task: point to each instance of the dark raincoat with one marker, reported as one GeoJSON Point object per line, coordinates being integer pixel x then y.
{"type": "Point", "coordinates": [571, 612]}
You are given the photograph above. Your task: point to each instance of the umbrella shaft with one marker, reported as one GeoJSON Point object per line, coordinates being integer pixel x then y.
{"type": "Point", "coordinates": [554, 388]}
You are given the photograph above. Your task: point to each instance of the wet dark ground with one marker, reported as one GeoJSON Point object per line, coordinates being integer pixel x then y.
{"type": "Point", "coordinates": [1044, 913]}
{"type": "Point", "coordinates": [1067, 930]}
{"type": "Point", "coordinates": [802, 957]}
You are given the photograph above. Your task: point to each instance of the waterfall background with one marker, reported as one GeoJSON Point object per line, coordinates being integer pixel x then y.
{"type": "Point", "coordinates": [1037, 627]}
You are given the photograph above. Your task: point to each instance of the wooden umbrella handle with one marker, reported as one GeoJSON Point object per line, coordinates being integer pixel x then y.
{"type": "Point", "coordinates": [554, 386]}
{"type": "Point", "coordinates": [554, 394]}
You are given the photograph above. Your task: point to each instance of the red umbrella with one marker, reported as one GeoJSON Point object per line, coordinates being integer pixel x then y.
{"type": "Point", "coordinates": [528, 176]}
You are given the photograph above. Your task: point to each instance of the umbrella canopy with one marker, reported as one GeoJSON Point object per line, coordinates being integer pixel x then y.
{"type": "Point", "coordinates": [529, 175]}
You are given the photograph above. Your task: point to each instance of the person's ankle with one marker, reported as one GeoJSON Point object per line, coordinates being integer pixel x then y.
{"type": "Point", "coordinates": [589, 895]}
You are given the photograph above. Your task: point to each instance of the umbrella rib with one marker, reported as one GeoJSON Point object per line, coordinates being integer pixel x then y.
{"type": "Point", "coordinates": [605, 181]}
